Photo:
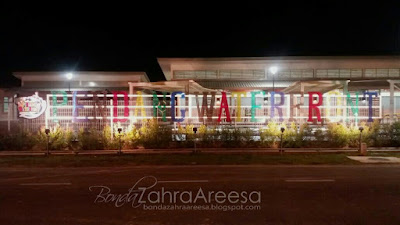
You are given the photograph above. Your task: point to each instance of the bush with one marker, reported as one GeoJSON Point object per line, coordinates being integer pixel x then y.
{"type": "Point", "coordinates": [90, 139]}
{"type": "Point", "coordinates": [152, 135]}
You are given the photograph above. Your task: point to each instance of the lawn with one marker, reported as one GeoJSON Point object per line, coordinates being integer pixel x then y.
{"type": "Point", "coordinates": [175, 159]}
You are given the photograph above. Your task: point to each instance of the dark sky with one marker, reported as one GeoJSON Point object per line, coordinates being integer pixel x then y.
{"type": "Point", "coordinates": [112, 36]}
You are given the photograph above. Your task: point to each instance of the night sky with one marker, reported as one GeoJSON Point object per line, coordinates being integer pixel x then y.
{"type": "Point", "coordinates": [111, 36]}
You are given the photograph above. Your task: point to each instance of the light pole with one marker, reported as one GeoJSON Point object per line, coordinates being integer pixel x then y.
{"type": "Point", "coordinates": [47, 131]}
{"type": "Point", "coordinates": [69, 77]}
{"type": "Point", "coordinates": [195, 139]}
{"type": "Point", "coordinates": [361, 130]}
{"type": "Point", "coordinates": [282, 130]}
{"type": "Point", "coordinates": [273, 70]}
{"type": "Point", "coordinates": [119, 135]}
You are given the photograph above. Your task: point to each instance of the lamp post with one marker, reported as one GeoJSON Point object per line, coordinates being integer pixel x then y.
{"type": "Point", "coordinates": [119, 135]}
{"type": "Point", "coordinates": [47, 131]}
{"type": "Point", "coordinates": [69, 77]}
{"type": "Point", "coordinates": [195, 139]}
{"type": "Point", "coordinates": [361, 130]}
{"type": "Point", "coordinates": [273, 70]}
{"type": "Point", "coordinates": [282, 130]}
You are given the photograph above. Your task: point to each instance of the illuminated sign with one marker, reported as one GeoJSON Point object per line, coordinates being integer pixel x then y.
{"type": "Point", "coordinates": [31, 107]}
{"type": "Point", "coordinates": [210, 107]}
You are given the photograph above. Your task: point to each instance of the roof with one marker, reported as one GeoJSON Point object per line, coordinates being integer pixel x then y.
{"type": "Point", "coordinates": [83, 76]}
{"type": "Point", "coordinates": [186, 86]}
{"type": "Point", "coordinates": [287, 62]}
{"type": "Point", "coordinates": [242, 85]}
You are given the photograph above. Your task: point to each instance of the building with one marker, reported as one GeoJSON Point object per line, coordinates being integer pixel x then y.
{"type": "Point", "coordinates": [232, 92]}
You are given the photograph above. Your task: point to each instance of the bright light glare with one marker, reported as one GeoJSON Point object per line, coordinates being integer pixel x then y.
{"type": "Point", "coordinates": [92, 84]}
{"type": "Point", "coordinates": [69, 76]}
{"type": "Point", "coordinates": [273, 69]}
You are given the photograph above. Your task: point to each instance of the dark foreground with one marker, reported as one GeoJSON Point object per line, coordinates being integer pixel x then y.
{"type": "Point", "coordinates": [351, 194]}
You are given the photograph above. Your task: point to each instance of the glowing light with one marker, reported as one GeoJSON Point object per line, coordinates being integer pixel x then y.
{"type": "Point", "coordinates": [92, 84]}
{"type": "Point", "coordinates": [273, 69]}
{"type": "Point", "coordinates": [69, 76]}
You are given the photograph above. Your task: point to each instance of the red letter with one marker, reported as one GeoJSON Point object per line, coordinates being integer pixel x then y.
{"type": "Point", "coordinates": [224, 104]}
{"type": "Point", "coordinates": [115, 103]}
{"type": "Point", "coordinates": [312, 106]}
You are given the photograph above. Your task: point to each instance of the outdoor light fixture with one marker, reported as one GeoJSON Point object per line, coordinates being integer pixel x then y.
{"type": "Point", "coordinates": [92, 84]}
{"type": "Point", "coordinates": [47, 131]}
{"type": "Point", "coordinates": [120, 144]}
{"type": "Point", "coordinates": [265, 100]}
{"type": "Point", "coordinates": [273, 70]}
{"type": "Point", "coordinates": [69, 77]}
{"type": "Point", "coordinates": [282, 130]}
{"type": "Point", "coordinates": [361, 130]}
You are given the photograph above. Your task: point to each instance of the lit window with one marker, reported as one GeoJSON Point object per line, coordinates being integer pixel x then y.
{"type": "Point", "coordinates": [5, 104]}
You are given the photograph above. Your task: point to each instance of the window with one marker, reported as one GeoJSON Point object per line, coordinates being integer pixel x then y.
{"type": "Point", "coordinates": [5, 104]}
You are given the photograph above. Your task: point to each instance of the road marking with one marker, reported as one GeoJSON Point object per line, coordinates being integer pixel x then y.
{"type": "Point", "coordinates": [310, 180]}
{"type": "Point", "coordinates": [43, 184]}
{"type": "Point", "coordinates": [183, 181]}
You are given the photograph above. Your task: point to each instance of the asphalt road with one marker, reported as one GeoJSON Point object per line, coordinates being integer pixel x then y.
{"type": "Point", "coordinates": [288, 195]}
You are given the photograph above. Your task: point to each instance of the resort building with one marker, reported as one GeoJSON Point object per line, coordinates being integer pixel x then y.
{"type": "Point", "coordinates": [232, 92]}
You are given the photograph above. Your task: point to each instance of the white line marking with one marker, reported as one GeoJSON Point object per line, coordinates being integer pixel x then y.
{"type": "Point", "coordinates": [183, 181]}
{"type": "Point", "coordinates": [310, 180]}
{"type": "Point", "coordinates": [43, 184]}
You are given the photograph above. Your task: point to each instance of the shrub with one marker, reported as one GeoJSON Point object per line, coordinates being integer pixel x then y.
{"type": "Point", "coordinates": [152, 135]}
{"type": "Point", "coordinates": [337, 135]}
{"type": "Point", "coordinates": [269, 136]}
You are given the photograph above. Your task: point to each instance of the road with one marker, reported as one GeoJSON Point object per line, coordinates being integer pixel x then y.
{"type": "Point", "coordinates": [288, 194]}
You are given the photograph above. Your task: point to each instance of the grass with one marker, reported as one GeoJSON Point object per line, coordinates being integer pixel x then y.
{"type": "Point", "coordinates": [176, 159]}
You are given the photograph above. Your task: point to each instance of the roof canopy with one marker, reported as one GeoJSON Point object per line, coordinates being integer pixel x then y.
{"type": "Point", "coordinates": [186, 86]}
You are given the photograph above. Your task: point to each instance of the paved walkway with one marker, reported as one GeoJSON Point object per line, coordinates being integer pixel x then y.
{"type": "Point", "coordinates": [375, 159]}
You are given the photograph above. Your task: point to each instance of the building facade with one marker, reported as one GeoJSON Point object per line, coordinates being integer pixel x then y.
{"type": "Point", "coordinates": [231, 92]}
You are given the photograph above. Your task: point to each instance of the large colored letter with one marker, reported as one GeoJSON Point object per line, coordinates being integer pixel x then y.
{"type": "Point", "coordinates": [239, 104]}
{"type": "Point", "coordinates": [55, 103]}
{"type": "Point", "coordinates": [312, 106]}
{"type": "Point", "coordinates": [115, 103]}
{"type": "Point", "coordinates": [159, 106]}
{"type": "Point", "coordinates": [173, 107]}
{"type": "Point", "coordinates": [204, 108]}
{"type": "Point", "coordinates": [224, 105]}
{"type": "Point", "coordinates": [76, 106]}
{"type": "Point", "coordinates": [370, 94]}
{"type": "Point", "coordinates": [139, 104]}
{"type": "Point", "coordinates": [275, 106]}
{"type": "Point", "coordinates": [101, 107]}
{"type": "Point", "coordinates": [353, 109]}
{"type": "Point", "coordinates": [336, 94]}
{"type": "Point", "coordinates": [254, 106]}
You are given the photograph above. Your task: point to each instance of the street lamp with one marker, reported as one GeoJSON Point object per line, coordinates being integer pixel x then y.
{"type": "Point", "coordinates": [119, 135]}
{"type": "Point", "coordinates": [282, 130]}
{"type": "Point", "coordinates": [273, 70]}
{"type": "Point", "coordinates": [47, 131]}
{"type": "Point", "coordinates": [69, 77]}
{"type": "Point", "coordinates": [361, 130]}
{"type": "Point", "coordinates": [195, 139]}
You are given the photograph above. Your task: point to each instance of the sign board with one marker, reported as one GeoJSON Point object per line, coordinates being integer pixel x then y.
{"type": "Point", "coordinates": [31, 107]}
